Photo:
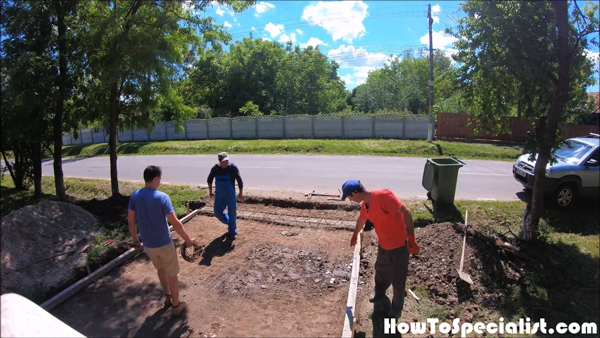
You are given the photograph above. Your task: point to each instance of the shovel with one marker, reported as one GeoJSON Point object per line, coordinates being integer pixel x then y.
{"type": "Point", "coordinates": [81, 246]}
{"type": "Point", "coordinates": [461, 274]}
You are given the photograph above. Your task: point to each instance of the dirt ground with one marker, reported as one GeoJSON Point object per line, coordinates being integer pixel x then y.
{"type": "Point", "coordinates": [271, 281]}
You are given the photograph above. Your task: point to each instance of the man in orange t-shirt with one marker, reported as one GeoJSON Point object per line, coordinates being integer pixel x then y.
{"type": "Point", "coordinates": [394, 227]}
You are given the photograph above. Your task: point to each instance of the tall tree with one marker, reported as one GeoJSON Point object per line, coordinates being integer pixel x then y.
{"type": "Point", "coordinates": [136, 50]}
{"type": "Point", "coordinates": [28, 86]}
{"type": "Point", "coordinates": [537, 46]}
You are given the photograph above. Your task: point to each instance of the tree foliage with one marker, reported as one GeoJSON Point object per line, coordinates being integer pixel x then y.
{"type": "Point", "coordinates": [507, 56]}
{"type": "Point", "coordinates": [531, 53]}
{"type": "Point", "coordinates": [278, 78]}
{"type": "Point", "coordinates": [403, 85]}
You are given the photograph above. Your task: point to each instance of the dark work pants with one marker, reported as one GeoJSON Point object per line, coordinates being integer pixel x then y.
{"type": "Point", "coordinates": [391, 268]}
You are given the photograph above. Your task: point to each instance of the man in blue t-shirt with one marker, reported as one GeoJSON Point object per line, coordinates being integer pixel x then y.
{"type": "Point", "coordinates": [151, 208]}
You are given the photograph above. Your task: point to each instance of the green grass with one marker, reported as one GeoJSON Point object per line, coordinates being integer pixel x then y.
{"type": "Point", "coordinates": [375, 147]}
{"type": "Point", "coordinates": [80, 189]}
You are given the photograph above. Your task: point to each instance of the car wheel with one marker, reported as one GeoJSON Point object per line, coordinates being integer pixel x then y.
{"type": "Point", "coordinates": [564, 196]}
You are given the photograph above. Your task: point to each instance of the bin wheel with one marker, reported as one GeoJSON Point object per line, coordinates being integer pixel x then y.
{"type": "Point", "coordinates": [429, 195]}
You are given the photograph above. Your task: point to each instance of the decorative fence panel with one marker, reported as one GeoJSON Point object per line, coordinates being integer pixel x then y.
{"type": "Point", "coordinates": [271, 127]}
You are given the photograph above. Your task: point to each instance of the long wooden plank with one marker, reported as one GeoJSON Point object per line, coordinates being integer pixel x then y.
{"type": "Point", "coordinates": [89, 279]}
{"type": "Point", "coordinates": [350, 313]}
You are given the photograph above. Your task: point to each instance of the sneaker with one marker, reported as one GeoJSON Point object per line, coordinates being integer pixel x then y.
{"type": "Point", "coordinates": [376, 298]}
{"type": "Point", "coordinates": [178, 310]}
{"type": "Point", "coordinates": [232, 236]}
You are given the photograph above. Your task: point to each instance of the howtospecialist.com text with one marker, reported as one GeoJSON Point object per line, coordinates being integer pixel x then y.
{"type": "Point", "coordinates": [523, 327]}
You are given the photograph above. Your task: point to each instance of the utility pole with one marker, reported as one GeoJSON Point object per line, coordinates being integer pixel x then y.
{"type": "Point", "coordinates": [431, 121]}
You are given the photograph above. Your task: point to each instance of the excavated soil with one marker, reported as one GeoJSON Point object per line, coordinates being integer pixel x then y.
{"type": "Point", "coordinates": [435, 267]}
{"type": "Point", "coordinates": [281, 269]}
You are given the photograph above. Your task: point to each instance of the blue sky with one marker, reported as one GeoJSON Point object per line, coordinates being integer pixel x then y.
{"type": "Point", "coordinates": [358, 35]}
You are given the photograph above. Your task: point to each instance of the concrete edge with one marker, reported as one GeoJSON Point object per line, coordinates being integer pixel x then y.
{"type": "Point", "coordinates": [350, 313]}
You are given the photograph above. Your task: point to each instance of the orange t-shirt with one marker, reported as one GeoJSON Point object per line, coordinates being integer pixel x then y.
{"type": "Point", "coordinates": [388, 223]}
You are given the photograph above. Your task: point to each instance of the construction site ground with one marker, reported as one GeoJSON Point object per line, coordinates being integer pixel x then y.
{"type": "Point", "coordinates": [288, 274]}
{"type": "Point", "coordinates": [274, 280]}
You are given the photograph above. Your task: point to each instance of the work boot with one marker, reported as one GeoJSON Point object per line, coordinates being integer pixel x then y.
{"type": "Point", "coordinates": [178, 310]}
{"type": "Point", "coordinates": [395, 313]}
{"type": "Point", "coordinates": [168, 301]}
{"type": "Point", "coordinates": [376, 298]}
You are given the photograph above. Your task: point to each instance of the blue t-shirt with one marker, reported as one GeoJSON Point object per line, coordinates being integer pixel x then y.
{"type": "Point", "coordinates": [151, 209]}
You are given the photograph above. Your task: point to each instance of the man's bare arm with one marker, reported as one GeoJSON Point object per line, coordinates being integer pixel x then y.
{"type": "Point", "coordinates": [408, 220]}
{"type": "Point", "coordinates": [178, 227]}
{"type": "Point", "coordinates": [131, 222]}
{"type": "Point", "coordinates": [360, 224]}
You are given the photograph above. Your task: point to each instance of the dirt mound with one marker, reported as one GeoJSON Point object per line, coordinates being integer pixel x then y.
{"type": "Point", "coordinates": [435, 267]}
{"type": "Point", "coordinates": [287, 270]}
{"type": "Point", "coordinates": [39, 231]}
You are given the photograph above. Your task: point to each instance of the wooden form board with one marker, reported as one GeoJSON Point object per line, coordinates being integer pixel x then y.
{"type": "Point", "coordinates": [349, 314]}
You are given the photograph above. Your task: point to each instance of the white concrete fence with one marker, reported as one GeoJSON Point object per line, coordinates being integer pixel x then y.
{"type": "Point", "coordinates": [272, 127]}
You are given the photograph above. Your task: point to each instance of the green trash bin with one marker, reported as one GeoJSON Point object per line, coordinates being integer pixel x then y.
{"type": "Point", "coordinates": [439, 179]}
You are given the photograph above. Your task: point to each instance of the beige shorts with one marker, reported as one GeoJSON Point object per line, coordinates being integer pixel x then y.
{"type": "Point", "coordinates": [164, 257]}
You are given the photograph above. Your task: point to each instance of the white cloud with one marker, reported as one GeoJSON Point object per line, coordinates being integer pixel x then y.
{"type": "Point", "coordinates": [313, 42]}
{"type": "Point", "coordinates": [187, 5]}
{"type": "Point", "coordinates": [440, 39]}
{"type": "Point", "coordinates": [284, 38]}
{"type": "Point", "coordinates": [222, 10]}
{"type": "Point", "coordinates": [360, 60]}
{"type": "Point", "coordinates": [253, 28]}
{"type": "Point", "coordinates": [594, 57]}
{"type": "Point", "coordinates": [435, 10]}
{"type": "Point", "coordinates": [266, 39]}
{"type": "Point", "coordinates": [352, 57]}
{"type": "Point", "coordinates": [362, 73]}
{"type": "Point", "coordinates": [274, 30]}
{"type": "Point", "coordinates": [299, 31]}
{"type": "Point", "coordinates": [341, 19]}
{"type": "Point", "coordinates": [227, 24]}
{"type": "Point", "coordinates": [262, 7]}
{"type": "Point", "coordinates": [348, 79]}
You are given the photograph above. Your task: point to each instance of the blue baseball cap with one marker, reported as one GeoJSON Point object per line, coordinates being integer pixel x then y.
{"type": "Point", "coordinates": [350, 187]}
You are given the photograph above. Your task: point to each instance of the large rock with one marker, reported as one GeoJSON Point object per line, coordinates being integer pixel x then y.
{"type": "Point", "coordinates": [39, 231]}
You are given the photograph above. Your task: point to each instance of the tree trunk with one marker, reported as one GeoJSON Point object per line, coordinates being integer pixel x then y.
{"type": "Point", "coordinates": [37, 169]}
{"type": "Point", "coordinates": [112, 139]}
{"type": "Point", "coordinates": [60, 104]}
{"type": "Point", "coordinates": [534, 211]}
{"type": "Point", "coordinates": [10, 168]}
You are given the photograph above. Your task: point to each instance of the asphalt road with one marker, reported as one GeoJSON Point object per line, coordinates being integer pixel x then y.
{"type": "Point", "coordinates": [477, 180]}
